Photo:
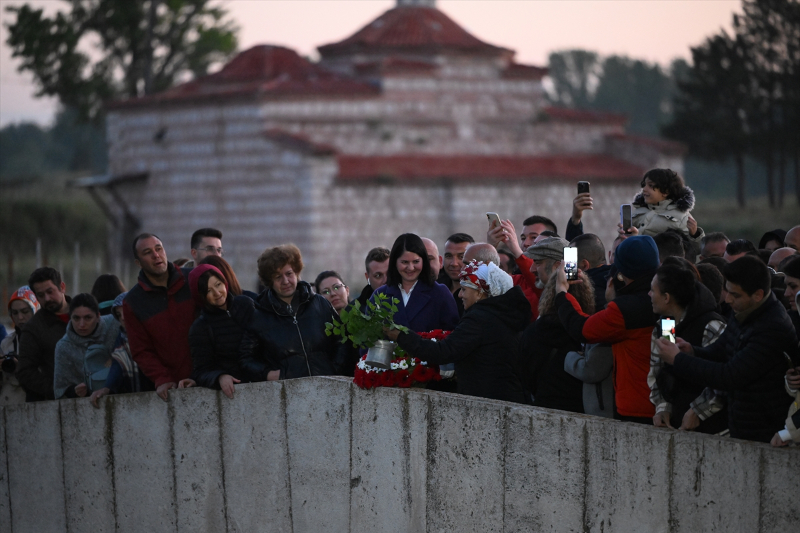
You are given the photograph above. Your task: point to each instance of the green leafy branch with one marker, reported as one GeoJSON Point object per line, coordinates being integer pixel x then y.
{"type": "Point", "coordinates": [364, 329]}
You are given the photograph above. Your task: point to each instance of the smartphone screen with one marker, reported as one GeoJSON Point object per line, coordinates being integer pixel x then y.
{"type": "Point", "coordinates": [583, 186]}
{"type": "Point", "coordinates": [571, 263]}
{"type": "Point", "coordinates": [668, 329]}
{"type": "Point", "coordinates": [625, 215]}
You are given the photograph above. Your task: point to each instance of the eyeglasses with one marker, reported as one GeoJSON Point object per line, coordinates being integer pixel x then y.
{"type": "Point", "coordinates": [212, 249]}
{"type": "Point", "coordinates": [336, 288]}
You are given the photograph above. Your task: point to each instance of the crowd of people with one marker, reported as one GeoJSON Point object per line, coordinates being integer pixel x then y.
{"type": "Point", "coordinates": [671, 327]}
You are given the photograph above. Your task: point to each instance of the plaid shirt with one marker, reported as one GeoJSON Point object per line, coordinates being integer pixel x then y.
{"type": "Point", "coordinates": [705, 405]}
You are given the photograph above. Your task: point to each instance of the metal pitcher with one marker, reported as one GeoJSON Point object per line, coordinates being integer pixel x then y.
{"type": "Point", "coordinates": [381, 355]}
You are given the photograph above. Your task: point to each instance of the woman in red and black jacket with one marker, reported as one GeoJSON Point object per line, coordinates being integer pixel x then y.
{"type": "Point", "coordinates": [626, 323]}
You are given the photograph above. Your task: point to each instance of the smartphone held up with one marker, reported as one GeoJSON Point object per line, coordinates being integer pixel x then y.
{"type": "Point", "coordinates": [571, 263]}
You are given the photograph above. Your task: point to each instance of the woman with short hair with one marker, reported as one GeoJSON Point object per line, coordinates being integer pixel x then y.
{"type": "Point", "coordinates": [287, 334]}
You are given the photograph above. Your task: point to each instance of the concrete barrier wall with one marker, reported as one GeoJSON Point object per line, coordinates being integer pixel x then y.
{"type": "Point", "coordinates": [319, 454]}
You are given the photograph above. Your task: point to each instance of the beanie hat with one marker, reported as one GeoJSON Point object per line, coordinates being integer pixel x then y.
{"type": "Point", "coordinates": [549, 248]}
{"type": "Point", "coordinates": [194, 280]}
{"type": "Point", "coordinates": [26, 295]}
{"type": "Point", "coordinates": [637, 256]}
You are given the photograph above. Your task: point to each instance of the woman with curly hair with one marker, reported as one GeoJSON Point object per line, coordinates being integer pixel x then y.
{"type": "Point", "coordinates": [484, 345]}
{"type": "Point", "coordinates": [545, 345]}
{"type": "Point", "coordinates": [286, 338]}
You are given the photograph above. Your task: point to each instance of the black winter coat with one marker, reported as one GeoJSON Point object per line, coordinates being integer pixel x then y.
{"type": "Point", "coordinates": [747, 362]}
{"type": "Point", "coordinates": [484, 347]}
{"type": "Point", "coordinates": [291, 338]}
{"type": "Point", "coordinates": [215, 340]}
{"type": "Point", "coordinates": [543, 349]}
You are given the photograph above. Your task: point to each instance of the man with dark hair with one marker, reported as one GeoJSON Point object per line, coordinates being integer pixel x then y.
{"type": "Point", "coordinates": [159, 310]}
{"type": "Point", "coordinates": [747, 361]}
{"type": "Point", "coordinates": [37, 345]}
{"type": "Point", "coordinates": [592, 260]}
{"type": "Point", "coordinates": [713, 245]}
{"type": "Point", "coordinates": [376, 265]}
{"type": "Point", "coordinates": [532, 227]}
{"type": "Point", "coordinates": [453, 262]}
{"type": "Point", "coordinates": [739, 248]}
{"type": "Point", "coordinates": [669, 245]}
{"type": "Point", "coordinates": [205, 242]}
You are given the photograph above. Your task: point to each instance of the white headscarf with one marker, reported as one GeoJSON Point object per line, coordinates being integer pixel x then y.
{"type": "Point", "coordinates": [486, 277]}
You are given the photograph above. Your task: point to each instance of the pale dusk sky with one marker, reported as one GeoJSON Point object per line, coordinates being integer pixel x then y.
{"type": "Point", "coordinates": [654, 30]}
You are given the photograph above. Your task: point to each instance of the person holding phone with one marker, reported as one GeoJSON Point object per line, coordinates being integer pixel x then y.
{"type": "Point", "coordinates": [747, 361]}
{"type": "Point", "coordinates": [676, 292]}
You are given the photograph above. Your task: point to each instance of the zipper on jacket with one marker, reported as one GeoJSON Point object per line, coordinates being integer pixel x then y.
{"type": "Point", "coordinates": [302, 344]}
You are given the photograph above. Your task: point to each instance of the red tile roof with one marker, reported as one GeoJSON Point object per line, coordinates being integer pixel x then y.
{"type": "Point", "coordinates": [412, 29]}
{"type": "Point", "coordinates": [525, 72]}
{"type": "Point", "coordinates": [422, 167]}
{"type": "Point", "coordinates": [583, 116]}
{"type": "Point", "coordinates": [662, 145]}
{"type": "Point", "coordinates": [262, 71]}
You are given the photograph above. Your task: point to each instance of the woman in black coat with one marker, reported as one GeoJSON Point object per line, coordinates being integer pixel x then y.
{"type": "Point", "coordinates": [484, 345]}
{"type": "Point", "coordinates": [287, 334]}
{"type": "Point", "coordinates": [215, 338]}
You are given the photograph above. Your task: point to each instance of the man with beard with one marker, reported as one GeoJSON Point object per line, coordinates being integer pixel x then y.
{"type": "Point", "coordinates": [37, 345]}
{"type": "Point", "coordinates": [159, 310]}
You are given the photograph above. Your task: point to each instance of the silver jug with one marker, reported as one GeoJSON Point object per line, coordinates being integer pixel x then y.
{"type": "Point", "coordinates": [381, 355]}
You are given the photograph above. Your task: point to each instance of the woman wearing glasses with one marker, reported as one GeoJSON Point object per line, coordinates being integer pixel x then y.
{"type": "Point", "coordinates": [330, 285]}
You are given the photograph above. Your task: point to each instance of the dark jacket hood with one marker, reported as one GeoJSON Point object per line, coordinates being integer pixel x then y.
{"type": "Point", "coordinates": [512, 308]}
{"type": "Point", "coordinates": [683, 204]}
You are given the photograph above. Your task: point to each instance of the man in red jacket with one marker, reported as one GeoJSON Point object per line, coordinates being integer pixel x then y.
{"type": "Point", "coordinates": [626, 323]}
{"type": "Point", "coordinates": [158, 312]}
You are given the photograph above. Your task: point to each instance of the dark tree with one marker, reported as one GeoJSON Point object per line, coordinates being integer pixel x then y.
{"type": "Point", "coordinates": [145, 46]}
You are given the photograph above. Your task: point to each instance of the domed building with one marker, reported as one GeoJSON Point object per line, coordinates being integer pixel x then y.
{"type": "Point", "coordinates": [411, 124]}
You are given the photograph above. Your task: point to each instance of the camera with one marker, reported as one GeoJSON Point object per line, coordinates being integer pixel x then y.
{"type": "Point", "coordinates": [9, 364]}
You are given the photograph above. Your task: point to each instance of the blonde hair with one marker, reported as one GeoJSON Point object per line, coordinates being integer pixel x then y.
{"type": "Point", "coordinates": [272, 260]}
{"type": "Point", "coordinates": [583, 292]}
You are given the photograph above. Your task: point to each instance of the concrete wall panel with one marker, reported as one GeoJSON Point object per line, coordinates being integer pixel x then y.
{"type": "Point", "coordinates": [778, 488]}
{"type": "Point", "coordinates": [254, 451]}
{"type": "Point", "coordinates": [89, 484]}
{"type": "Point", "coordinates": [389, 465]}
{"type": "Point", "coordinates": [545, 471]}
{"type": "Point", "coordinates": [627, 482]}
{"type": "Point", "coordinates": [35, 468]}
{"type": "Point", "coordinates": [198, 460]}
{"type": "Point", "coordinates": [465, 464]}
{"type": "Point", "coordinates": [144, 475]}
{"type": "Point", "coordinates": [5, 495]}
{"type": "Point", "coordinates": [318, 428]}
{"type": "Point", "coordinates": [700, 502]}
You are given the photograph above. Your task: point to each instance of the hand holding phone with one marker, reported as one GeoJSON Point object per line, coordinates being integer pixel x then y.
{"type": "Point", "coordinates": [668, 329]}
{"type": "Point", "coordinates": [571, 263]}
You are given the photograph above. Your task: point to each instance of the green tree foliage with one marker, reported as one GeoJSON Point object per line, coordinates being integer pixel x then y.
{"type": "Point", "coordinates": [633, 87]}
{"type": "Point", "coordinates": [29, 153]}
{"type": "Point", "coordinates": [742, 95]}
{"type": "Point", "coordinates": [145, 46]}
